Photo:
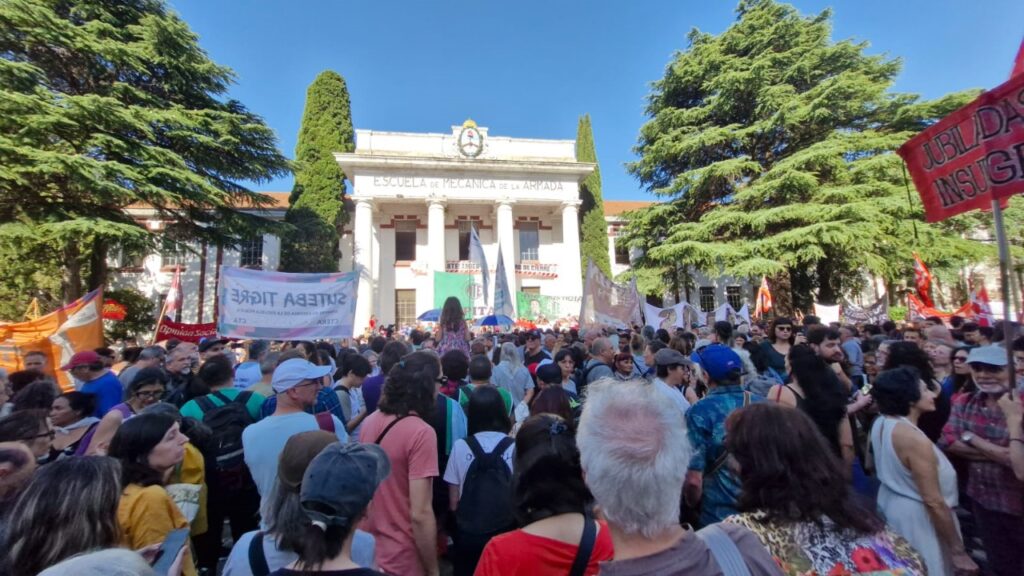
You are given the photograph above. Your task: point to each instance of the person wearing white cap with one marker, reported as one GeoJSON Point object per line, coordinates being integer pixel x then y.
{"type": "Point", "coordinates": [296, 383]}
{"type": "Point", "coordinates": [977, 431]}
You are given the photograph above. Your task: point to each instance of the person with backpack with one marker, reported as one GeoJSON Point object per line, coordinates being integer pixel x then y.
{"type": "Point", "coordinates": [479, 478]}
{"type": "Point", "coordinates": [226, 411]}
{"type": "Point", "coordinates": [352, 371]}
{"type": "Point", "coordinates": [480, 376]}
{"type": "Point", "coordinates": [599, 365]}
{"type": "Point", "coordinates": [553, 506]}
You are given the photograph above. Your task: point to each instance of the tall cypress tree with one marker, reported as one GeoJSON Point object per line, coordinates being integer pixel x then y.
{"type": "Point", "coordinates": [773, 147]}
{"type": "Point", "coordinates": [593, 228]}
{"type": "Point", "coordinates": [316, 212]}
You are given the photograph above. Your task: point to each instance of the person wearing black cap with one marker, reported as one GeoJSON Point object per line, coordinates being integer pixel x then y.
{"type": "Point", "coordinates": [533, 352]}
{"type": "Point", "coordinates": [336, 491]}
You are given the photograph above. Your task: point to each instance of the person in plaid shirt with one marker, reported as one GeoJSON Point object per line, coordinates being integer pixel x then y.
{"type": "Point", "coordinates": [977, 431]}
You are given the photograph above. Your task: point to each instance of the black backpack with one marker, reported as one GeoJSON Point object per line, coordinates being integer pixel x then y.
{"type": "Point", "coordinates": [485, 507]}
{"type": "Point", "coordinates": [227, 423]}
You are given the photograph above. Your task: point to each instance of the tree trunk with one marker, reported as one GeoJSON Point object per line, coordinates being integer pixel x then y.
{"type": "Point", "coordinates": [71, 276]}
{"type": "Point", "coordinates": [827, 293]}
{"type": "Point", "coordinates": [97, 265]}
{"type": "Point", "coordinates": [782, 294]}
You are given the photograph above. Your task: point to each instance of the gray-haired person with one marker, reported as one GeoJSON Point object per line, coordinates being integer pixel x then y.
{"type": "Point", "coordinates": [634, 452]}
{"type": "Point", "coordinates": [150, 357]}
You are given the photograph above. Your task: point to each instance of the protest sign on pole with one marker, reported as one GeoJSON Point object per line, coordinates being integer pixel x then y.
{"type": "Point", "coordinates": [282, 306]}
{"type": "Point", "coordinates": [608, 303]}
{"type": "Point", "coordinates": [971, 157]}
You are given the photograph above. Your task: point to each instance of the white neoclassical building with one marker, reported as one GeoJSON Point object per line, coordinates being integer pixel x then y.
{"type": "Point", "coordinates": [416, 196]}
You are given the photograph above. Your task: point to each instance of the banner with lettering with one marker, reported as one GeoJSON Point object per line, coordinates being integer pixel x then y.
{"type": "Point", "coordinates": [608, 303]}
{"type": "Point", "coordinates": [254, 304]}
{"type": "Point", "coordinates": [972, 156]}
{"type": "Point", "coordinates": [185, 332]}
{"type": "Point", "coordinates": [537, 308]}
{"type": "Point", "coordinates": [870, 314]}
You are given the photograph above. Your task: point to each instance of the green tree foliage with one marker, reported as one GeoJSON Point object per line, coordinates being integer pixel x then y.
{"type": "Point", "coordinates": [316, 211]}
{"type": "Point", "coordinates": [139, 318]}
{"type": "Point", "coordinates": [593, 228]}
{"type": "Point", "coordinates": [108, 104]}
{"type": "Point", "coordinates": [773, 146]}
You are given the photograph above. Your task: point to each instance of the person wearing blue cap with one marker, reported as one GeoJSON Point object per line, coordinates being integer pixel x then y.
{"type": "Point", "coordinates": [710, 484]}
{"type": "Point", "coordinates": [296, 383]}
{"type": "Point", "coordinates": [335, 494]}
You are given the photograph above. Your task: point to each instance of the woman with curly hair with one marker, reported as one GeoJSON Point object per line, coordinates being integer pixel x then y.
{"type": "Point", "coordinates": [402, 516]}
{"type": "Point", "coordinates": [795, 497]}
{"type": "Point", "coordinates": [910, 354]}
{"type": "Point", "coordinates": [551, 504]}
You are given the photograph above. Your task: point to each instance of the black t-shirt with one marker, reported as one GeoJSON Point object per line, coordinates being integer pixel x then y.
{"type": "Point", "coordinates": [535, 358]}
{"type": "Point", "coordinates": [352, 572]}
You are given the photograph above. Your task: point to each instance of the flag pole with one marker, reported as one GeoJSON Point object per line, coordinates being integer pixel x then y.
{"type": "Point", "coordinates": [1004, 280]}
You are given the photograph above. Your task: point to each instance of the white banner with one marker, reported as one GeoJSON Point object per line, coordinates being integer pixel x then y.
{"type": "Point", "coordinates": [279, 306]}
{"type": "Point", "coordinates": [608, 303]}
{"type": "Point", "coordinates": [738, 318]}
{"type": "Point", "coordinates": [682, 315]}
{"type": "Point", "coordinates": [827, 314]}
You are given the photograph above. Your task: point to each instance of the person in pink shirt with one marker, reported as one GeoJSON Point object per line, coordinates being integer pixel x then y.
{"type": "Point", "coordinates": [401, 516]}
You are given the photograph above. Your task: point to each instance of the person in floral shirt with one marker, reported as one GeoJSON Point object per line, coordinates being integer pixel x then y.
{"type": "Point", "coordinates": [795, 497]}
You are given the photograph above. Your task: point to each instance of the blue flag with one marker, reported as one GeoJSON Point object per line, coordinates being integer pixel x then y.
{"type": "Point", "coordinates": [476, 254]}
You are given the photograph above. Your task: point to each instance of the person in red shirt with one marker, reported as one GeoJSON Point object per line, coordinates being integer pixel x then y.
{"type": "Point", "coordinates": [553, 506]}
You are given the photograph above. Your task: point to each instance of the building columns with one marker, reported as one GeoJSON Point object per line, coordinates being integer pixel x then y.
{"type": "Point", "coordinates": [507, 245]}
{"type": "Point", "coordinates": [436, 255]}
{"type": "Point", "coordinates": [569, 274]}
{"type": "Point", "coordinates": [362, 232]}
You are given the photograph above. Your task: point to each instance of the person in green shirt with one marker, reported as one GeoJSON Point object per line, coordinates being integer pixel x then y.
{"type": "Point", "coordinates": [480, 375]}
{"type": "Point", "coordinates": [218, 376]}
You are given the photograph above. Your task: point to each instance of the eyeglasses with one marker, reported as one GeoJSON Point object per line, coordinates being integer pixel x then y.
{"type": "Point", "coordinates": [786, 328]}
{"type": "Point", "coordinates": [960, 359]}
{"type": "Point", "coordinates": [151, 394]}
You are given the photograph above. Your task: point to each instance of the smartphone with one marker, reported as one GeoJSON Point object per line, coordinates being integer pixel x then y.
{"type": "Point", "coordinates": [865, 386]}
{"type": "Point", "coordinates": [173, 544]}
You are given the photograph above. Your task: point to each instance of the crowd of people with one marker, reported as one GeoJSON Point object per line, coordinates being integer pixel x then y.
{"type": "Point", "coordinates": [766, 449]}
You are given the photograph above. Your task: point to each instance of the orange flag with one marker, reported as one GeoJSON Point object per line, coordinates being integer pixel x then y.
{"type": "Point", "coordinates": [73, 328]}
{"type": "Point", "coordinates": [764, 299]}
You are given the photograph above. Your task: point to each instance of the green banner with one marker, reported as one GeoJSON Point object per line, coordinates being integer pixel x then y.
{"type": "Point", "coordinates": [458, 285]}
{"type": "Point", "coordinates": [534, 307]}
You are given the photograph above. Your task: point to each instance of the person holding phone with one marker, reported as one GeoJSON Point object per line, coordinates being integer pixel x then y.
{"type": "Point", "coordinates": [149, 446]}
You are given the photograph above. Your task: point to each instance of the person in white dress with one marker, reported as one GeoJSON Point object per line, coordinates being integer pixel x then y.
{"type": "Point", "coordinates": [918, 484]}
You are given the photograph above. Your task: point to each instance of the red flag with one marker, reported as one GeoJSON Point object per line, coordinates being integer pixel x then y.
{"type": "Point", "coordinates": [923, 281]}
{"type": "Point", "coordinates": [981, 308]}
{"type": "Point", "coordinates": [173, 301]}
{"type": "Point", "coordinates": [764, 299]}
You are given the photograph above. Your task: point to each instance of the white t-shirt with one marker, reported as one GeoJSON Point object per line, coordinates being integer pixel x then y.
{"type": "Point", "coordinates": [462, 456]}
{"type": "Point", "coordinates": [264, 441]}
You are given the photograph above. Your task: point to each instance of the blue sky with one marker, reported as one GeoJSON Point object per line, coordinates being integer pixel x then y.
{"type": "Point", "coordinates": [530, 68]}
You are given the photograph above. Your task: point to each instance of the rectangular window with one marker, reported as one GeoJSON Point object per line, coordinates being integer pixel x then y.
{"type": "Point", "coordinates": [173, 254]}
{"type": "Point", "coordinates": [251, 253]}
{"type": "Point", "coordinates": [735, 297]}
{"type": "Point", "coordinates": [405, 308]}
{"type": "Point", "coordinates": [621, 252]}
{"type": "Point", "coordinates": [405, 240]}
{"type": "Point", "coordinates": [707, 298]}
{"type": "Point", "coordinates": [464, 234]}
{"type": "Point", "coordinates": [529, 241]}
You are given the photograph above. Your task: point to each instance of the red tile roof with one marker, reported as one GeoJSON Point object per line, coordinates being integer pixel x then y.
{"type": "Point", "coordinates": [618, 207]}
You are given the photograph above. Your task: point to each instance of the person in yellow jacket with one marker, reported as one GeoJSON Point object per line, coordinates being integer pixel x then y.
{"type": "Point", "coordinates": [149, 446]}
